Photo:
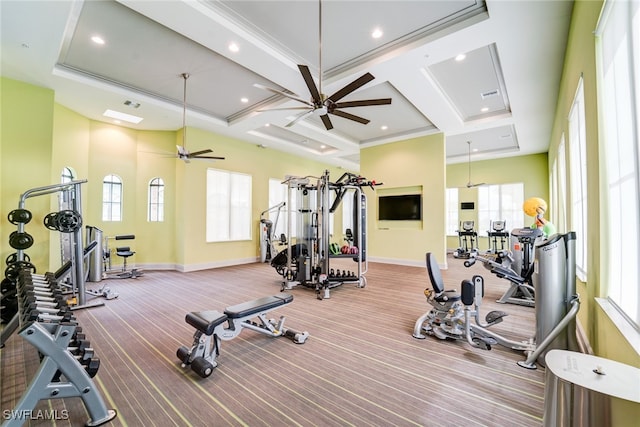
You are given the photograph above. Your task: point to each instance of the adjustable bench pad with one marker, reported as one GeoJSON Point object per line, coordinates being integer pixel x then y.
{"type": "Point", "coordinates": [257, 306]}
{"type": "Point", "coordinates": [205, 321]}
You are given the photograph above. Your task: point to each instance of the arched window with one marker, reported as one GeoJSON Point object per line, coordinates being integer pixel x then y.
{"type": "Point", "coordinates": [156, 200]}
{"type": "Point", "coordinates": [112, 198]}
{"type": "Point", "coordinates": [67, 175]}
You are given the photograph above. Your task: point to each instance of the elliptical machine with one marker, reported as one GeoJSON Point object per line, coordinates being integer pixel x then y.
{"type": "Point", "coordinates": [457, 316]}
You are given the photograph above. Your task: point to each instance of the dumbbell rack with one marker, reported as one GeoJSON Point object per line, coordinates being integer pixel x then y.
{"type": "Point", "coordinates": [67, 360]}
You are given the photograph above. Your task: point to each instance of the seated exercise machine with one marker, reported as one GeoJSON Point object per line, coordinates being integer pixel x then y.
{"type": "Point", "coordinates": [124, 252]}
{"type": "Point", "coordinates": [456, 316]}
{"type": "Point", "coordinates": [467, 238]}
{"type": "Point", "coordinates": [213, 326]}
{"type": "Point", "coordinates": [67, 360]}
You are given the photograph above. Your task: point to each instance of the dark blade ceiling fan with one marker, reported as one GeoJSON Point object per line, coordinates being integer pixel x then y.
{"type": "Point", "coordinates": [469, 183]}
{"type": "Point", "coordinates": [322, 105]}
{"type": "Point", "coordinates": [183, 153]}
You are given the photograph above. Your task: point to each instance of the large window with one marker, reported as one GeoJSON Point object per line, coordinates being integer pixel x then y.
{"type": "Point", "coordinates": [228, 206]}
{"type": "Point", "coordinates": [618, 44]}
{"type": "Point", "coordinates": [112, 198]}
{"type": "Point", "coordinates": [156, 200]}
{"type": "Point", "coordinates": [451, 203]}
{"type": "Point", "coordinates": [578, 171]}
{"type": "Point", "coordinates": [500, 203]}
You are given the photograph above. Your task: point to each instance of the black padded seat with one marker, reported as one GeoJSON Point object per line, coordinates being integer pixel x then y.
{"type": "Point", "coordinates": [124, 251]}
{"type": "Point", "coordinates": [259, 305]}
{"type": "Point", "coordinates": [435, 276]}
{"type": "Point", "coordinates": [205, 321]}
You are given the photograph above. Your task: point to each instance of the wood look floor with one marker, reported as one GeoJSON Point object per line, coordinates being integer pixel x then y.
{"type": "Point", "coordinates": [360, 367]}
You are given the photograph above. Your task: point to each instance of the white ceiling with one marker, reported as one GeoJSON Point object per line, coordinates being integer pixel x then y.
{"type": "Point", "coordinates": [514, 56]}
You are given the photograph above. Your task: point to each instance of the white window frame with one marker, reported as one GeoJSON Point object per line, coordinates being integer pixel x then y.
{"type": "Point", "coordinates": [561, 208]}
{"type": "Point", "coordinates": [155, 211]}
{"type": "Point", "coordinates": [112, 197]}
{"type": "Point", "coordinates": [452, 212]}
{"type": "Point", "coordinates": [578, 174]}
{"type": "Point", "coordinates": [228, 206]}
{"type": "Point", "coordinates": [618, 65]}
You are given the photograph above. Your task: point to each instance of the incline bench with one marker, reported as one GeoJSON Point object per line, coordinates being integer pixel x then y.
{"type": "Point", "coordinates": [213, 326]}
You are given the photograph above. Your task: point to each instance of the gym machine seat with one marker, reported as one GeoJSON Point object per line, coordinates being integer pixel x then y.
{"type": "Point", "coordinates": [124, 252]}
{"type": "Point", "coordinates": [437, 283]}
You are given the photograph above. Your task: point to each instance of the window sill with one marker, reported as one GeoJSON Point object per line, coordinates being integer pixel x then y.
{"type": "Point", "coordinates": [628, 331]}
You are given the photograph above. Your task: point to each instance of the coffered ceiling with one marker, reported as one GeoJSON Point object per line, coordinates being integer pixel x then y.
{"type": "Point", "coordinates": [501, 96]}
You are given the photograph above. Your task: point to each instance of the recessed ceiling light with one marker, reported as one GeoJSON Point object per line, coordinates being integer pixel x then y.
{"type": "Point", "coordinates": [484, 109]}
{"type": "Point", "coordinates": [323, 146]}
{"type": "Point", "coordinates": [233, 47]}
{"type": "Point", "coordinates": [384, 127]}
{"type": "Point", "coordinates": [244, 100]}
{"type": "Point", "coordinates": [376, 33]}
{"type": "Point", "coordinates": [122, 116]}
{"type": "Point", "coordinates": [460, 57]}
{"type": "Point", "coordinates": [132, 104]}
{"type": "Point", "coordinates": [474, 150]}
{"type": "Point", "coordinates": [97, 40]}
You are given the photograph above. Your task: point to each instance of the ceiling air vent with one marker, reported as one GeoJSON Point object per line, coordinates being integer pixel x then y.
{"type": "Point", "coordinates": [489, 94]}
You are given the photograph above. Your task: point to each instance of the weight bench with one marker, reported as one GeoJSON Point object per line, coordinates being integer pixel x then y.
{"type": "Point", "coordinates": [213, 326]}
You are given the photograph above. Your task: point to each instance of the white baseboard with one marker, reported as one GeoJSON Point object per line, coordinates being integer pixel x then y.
{"type": "Point", "coordinates": [217, 264]}
{"type": "Point", "coordinates": [406, 262]}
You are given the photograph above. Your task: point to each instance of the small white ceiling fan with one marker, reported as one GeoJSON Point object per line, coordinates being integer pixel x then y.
{"type": "Point", "coordinates": [469, 183]}
{"type": "Point", "coordinates": [183, 153]}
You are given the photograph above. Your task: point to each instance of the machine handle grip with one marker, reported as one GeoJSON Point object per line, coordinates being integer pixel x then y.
{"type": "Point", "coordinates": [469, 262]}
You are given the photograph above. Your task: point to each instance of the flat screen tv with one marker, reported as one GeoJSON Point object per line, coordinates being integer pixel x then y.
{"type": "Point", "coordinates": [406, 207]}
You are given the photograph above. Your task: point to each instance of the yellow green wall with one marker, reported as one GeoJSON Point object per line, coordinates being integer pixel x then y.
{"type": "Point", "coordinates": [418, 162]}
{"type": "Point", "coordinates": [40, 138]}
{"type": "Point", "coordinates": [530, 170]}
{"type": "Point", "coordinates": [25, 155]}
{"type": "Point", "coordinates": [604, 335]}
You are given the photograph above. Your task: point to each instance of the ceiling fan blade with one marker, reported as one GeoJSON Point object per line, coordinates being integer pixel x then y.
{"type": "Point", "coordinates": [327, 121]}
{"type": "Point", "coordinates": [350, 117]}
{"type": "Point", "coordinates": [282, 93]}
{"type": "Point", "coordinates": [284, 109]}
{"type": "Point", "coordinates": [308, 79]}
{"type": "Point", "coordinates": [363, 103]}
{"type": "Point", "coordinates": [361, 81]}
{"type": "Point", "coordinates": [299, 117]}
{"type": "Point", "coordinates": [197, 153]}
{"type": "Point", "coordinates": [182, 151]}
{"type": "Point", "coordinates": [207, 157]}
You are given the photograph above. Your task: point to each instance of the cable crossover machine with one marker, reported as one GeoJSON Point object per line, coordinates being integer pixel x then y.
{"type": "Point", "coordinates": [307, 262]}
